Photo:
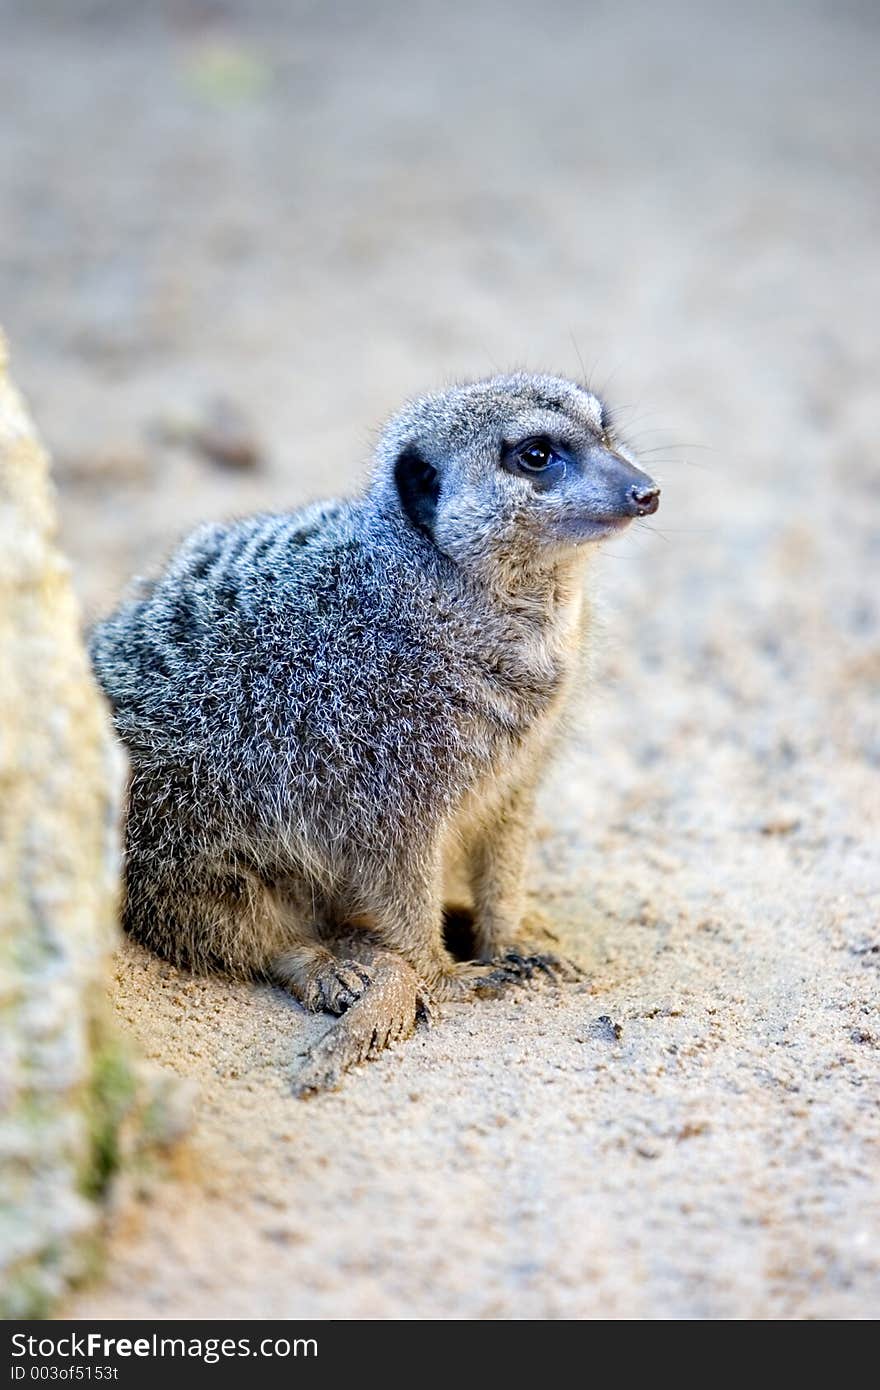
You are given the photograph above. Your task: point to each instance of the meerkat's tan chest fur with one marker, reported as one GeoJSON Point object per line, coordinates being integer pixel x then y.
{"type": "Point", "coordinates": [556, 646]}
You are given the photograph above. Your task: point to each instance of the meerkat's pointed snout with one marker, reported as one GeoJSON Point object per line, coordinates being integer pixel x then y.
{"type": "Point", "coordinates": [615, 490]}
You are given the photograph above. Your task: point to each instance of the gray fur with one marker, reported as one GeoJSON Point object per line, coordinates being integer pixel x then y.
{"type": "Point", "coordinates": [325, 709]}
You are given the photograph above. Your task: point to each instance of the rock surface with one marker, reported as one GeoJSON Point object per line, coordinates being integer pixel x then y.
{"type": "Point", "coordinates": [58, 874]}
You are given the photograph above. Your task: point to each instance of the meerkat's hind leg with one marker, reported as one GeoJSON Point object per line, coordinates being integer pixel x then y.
{"type": "Point", "coordinates": [497, 860]}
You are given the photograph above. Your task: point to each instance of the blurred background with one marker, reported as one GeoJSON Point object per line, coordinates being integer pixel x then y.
{"type": "Point", "coordinates": [311, 210]}
{"type": "Point", "coordinates": [232, 238]}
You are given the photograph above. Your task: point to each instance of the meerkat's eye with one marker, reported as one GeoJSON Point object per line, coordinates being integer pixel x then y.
{"type": "Point", "coordinates": [535, 455]}
{"type": "Point", "coordinates": [537, 458]}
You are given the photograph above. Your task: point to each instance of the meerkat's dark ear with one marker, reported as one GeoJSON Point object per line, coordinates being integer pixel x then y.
{"type": "Point", "coordinates": [418, 487]}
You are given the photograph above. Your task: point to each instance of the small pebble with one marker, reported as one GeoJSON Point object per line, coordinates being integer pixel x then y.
{"type": "Point", "coordinates": [606, 1030]}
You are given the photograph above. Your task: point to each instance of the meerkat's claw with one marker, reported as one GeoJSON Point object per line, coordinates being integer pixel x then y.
{"type": "Point", "coordinates": [527, 965]}
{"type": "Point", "coordinates": [425, 1009]}
{"type": "Point", "coordinates": [341, 984]}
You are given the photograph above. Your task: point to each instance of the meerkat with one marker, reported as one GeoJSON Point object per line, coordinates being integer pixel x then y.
{"type": "Point", "coordinates": [329, 711]}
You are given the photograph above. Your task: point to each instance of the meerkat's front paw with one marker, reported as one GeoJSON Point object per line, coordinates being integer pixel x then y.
{"type": "Point", "coordinates": [389, 1011]}
{"type": "Point", "coordinates": [335, 985]}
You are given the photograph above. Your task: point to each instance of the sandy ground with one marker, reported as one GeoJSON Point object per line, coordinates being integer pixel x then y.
{"type": "Point", "coordinates": [314, 210]}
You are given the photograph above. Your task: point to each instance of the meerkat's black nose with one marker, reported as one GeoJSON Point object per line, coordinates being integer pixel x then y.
{"type": "Point", "coordinates": [644, 499]}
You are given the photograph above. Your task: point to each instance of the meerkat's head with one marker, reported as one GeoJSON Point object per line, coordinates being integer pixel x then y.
{"type": "Point", "coordinates": [521, 466]}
